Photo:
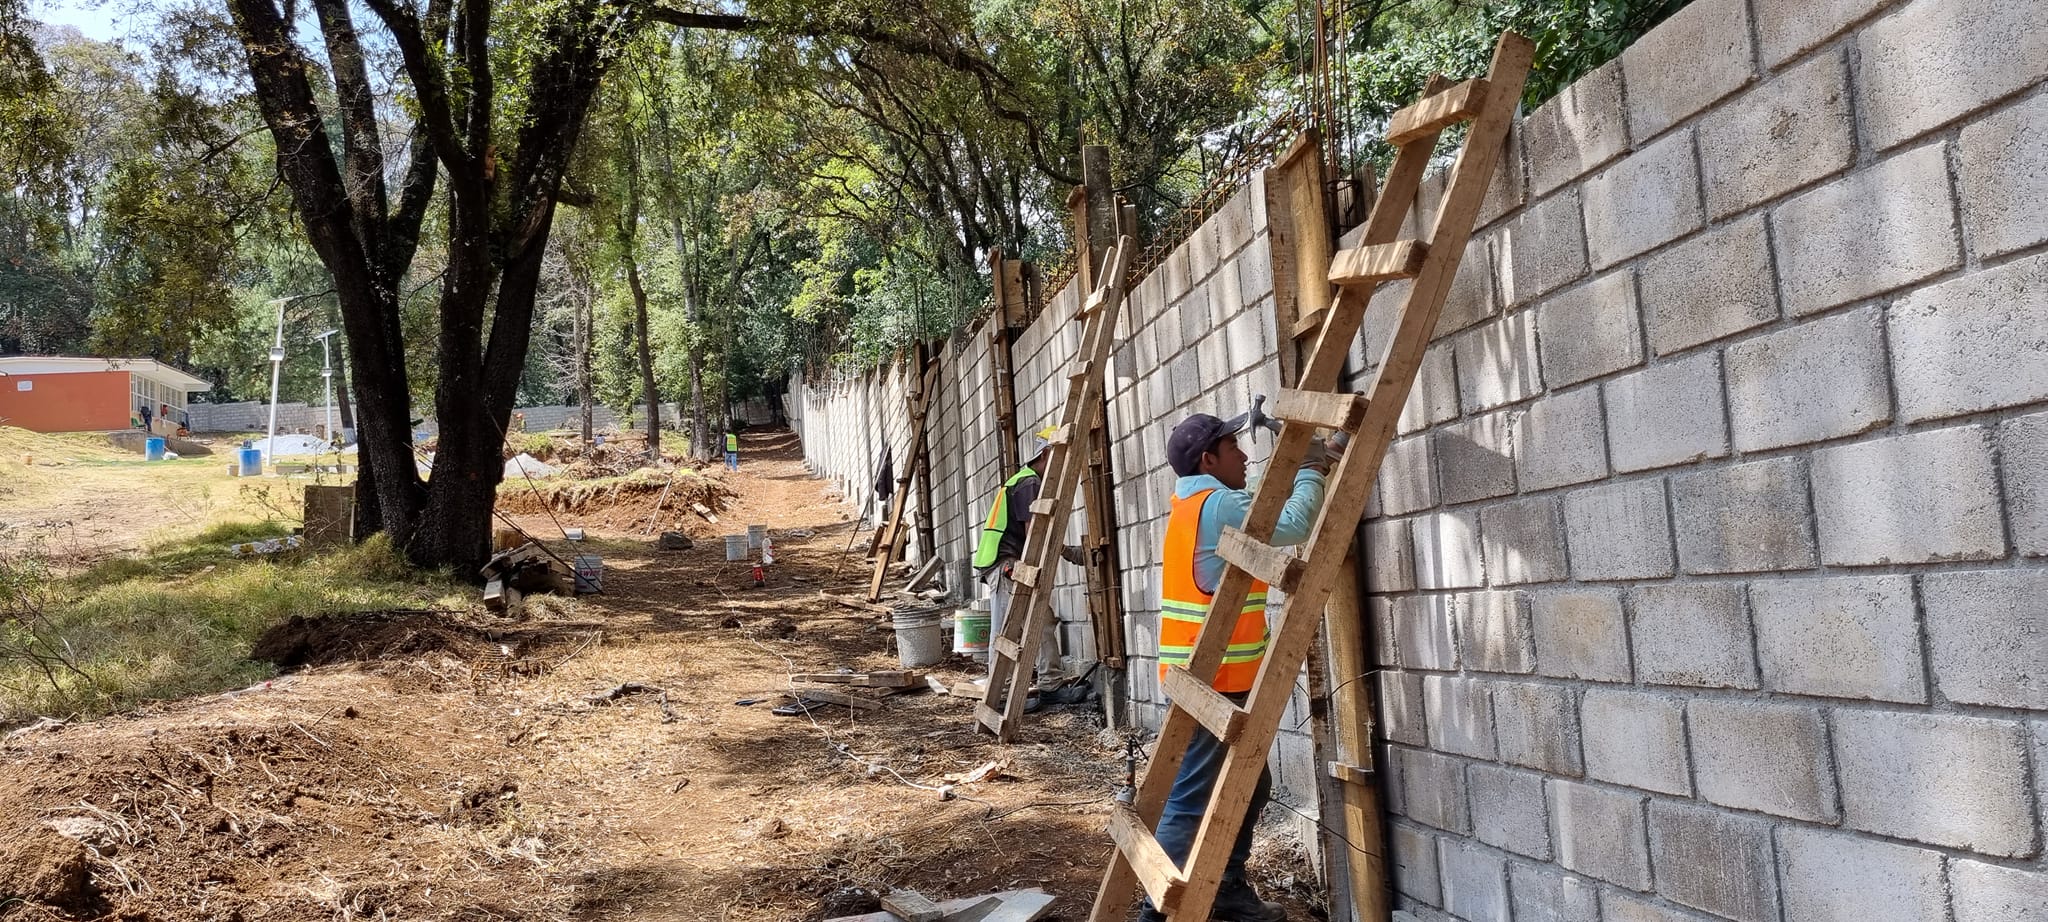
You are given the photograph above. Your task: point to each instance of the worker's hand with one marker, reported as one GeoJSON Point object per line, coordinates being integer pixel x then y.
{"type": "Point", "coordinates": [1317, 458]}
{"type": "Point", "coordinates": [1073, 554]}
{"type": "Point", "coordinates": [1337, 442]}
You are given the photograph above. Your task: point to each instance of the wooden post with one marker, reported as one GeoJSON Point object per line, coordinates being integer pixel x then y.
{"type": "Point", "coordinates": [1097, 215]}
{"type": "Point", "coordinates": [927, 541]}
{"type": "Point", "coordinates": [1340, 700]}
{"type": "Point", "coordinates": [1008, 275]}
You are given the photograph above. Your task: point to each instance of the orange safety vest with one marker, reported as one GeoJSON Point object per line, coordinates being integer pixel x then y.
{"type": "Point", "coordinates": [1183, 606]}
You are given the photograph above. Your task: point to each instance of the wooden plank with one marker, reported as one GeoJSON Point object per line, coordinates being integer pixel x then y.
{"type": "Point", "coordinates": [1046, 505]}
{"type": "Point", "coordinates": [891, 679]}
{"type": "Point", "coordinates": [1434, 113]}
{"type": "Point", "coordinates": [1007, 647]}
{"type": "Point", "coordinates": [911, 906]}
{"type": "Point", "coordinates": [1156, 872]}
{"type": "Point", "coordinates": [1276, 567]}
{"type": "Point", "coordinates": [840, 698]}
{"type": "Point", "coordinates": [1219, 715]}
{"type": "Point", "coordinates": [1061, 436]}
{"type": "Point", "coordinates": [1377, 263]}
{"type": "Point", "coordinates": [1025, 575]}
{"type": "Point", "coordinates": [1319, 408]}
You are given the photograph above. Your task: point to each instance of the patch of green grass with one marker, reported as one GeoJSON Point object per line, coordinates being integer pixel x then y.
{"type": "Point", "coordinates": [180, 620]}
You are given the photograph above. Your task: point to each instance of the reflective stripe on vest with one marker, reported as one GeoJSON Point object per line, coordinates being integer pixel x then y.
{"type": "Point", "coordinates": [998, 521]}
{"type": "Point", "coordinates": [1183, 606]}
{"type": "Point", "coordinates": [732, 442]}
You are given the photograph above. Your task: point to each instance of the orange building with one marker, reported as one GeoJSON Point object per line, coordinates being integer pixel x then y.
{"type": "Point", "coordinates": [65, 394]}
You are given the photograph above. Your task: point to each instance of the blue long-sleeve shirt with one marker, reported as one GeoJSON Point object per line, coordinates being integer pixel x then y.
{"type": "Point", "coordinates": [1228, 507]}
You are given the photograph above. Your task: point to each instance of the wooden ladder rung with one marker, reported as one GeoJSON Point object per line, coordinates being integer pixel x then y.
{"type": "Point", "coordinates": [1379, 262]}
{"type": "Point", "coordinates": [1156, 872]}
{"type": "Point", "coordinates": [1006, 647]}
{"type": "Point", "coordinates": [989, 717]}
{"type": "Point", "coordinates": [1025, 575]}
{"type": "Point", "coordinates": [1082, 369]}
{"type": "Point", "coordinates": [1313, 323]}
{"type": "Point", "coordinates": [1224, 719]}
{"type": "Point", "coordinates": [1434, 113]}
{"type": "Point", "coordinates": [1047, 505]}
{"type": "Point", "coordinates": [1351, 774]}
{"type": "Point", "coordinates": [1321, 408]}
{"type": "Point", "coordinates": [1094, 302]}
{"type": "Point", "coordinates": [1276, 567]}
{"type": "Point", "coordinates": [1061, 436]}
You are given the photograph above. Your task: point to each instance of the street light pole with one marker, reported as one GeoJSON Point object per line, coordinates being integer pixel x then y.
{"type": "Point", "coordinates": [276, 368]}
{"type": "Point", "coordinates": [327, 378]}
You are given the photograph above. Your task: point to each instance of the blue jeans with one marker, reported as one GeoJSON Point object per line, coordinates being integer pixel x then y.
{"type": "Point", "coordinates": [1189, 800]}
{"type": "Point", "coordinates": [732, 460]}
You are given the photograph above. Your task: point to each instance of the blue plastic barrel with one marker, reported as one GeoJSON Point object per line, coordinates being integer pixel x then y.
{"type": "Point", "coordinates": [153, 449]}
{"type": "Point", "coordinates": [252, 463]}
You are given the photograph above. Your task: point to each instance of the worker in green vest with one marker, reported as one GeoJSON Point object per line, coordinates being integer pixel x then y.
{"type": "Point", "coordinates": [1002, 543]}
{"type": "Point", "coordinates": [732, 451]}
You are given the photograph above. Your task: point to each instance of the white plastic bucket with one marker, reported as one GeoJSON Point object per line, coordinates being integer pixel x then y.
{"type": "Point", "coordinates": [755, 535]}
{"type": "Point", "coordinates": [919, 642]}
{"type": "Point", "coordinates": [589, 573]}
{"type": "Point", "coordinates": [735, 547]}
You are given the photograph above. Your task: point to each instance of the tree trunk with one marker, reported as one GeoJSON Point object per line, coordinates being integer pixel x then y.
{"type": "Point", "coordinates": [582, 346]}
{"type": "Point", "coordinates": [643, 334]}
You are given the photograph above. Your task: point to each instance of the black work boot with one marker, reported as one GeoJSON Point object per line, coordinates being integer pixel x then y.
{"type": "Point", "coordinates": [1238, 902]}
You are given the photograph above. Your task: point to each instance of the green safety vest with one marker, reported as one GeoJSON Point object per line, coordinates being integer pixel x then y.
{"type": "Point", "coordinates": [998, 521]}
{"type": "Point", "coordinates": [732, 442]}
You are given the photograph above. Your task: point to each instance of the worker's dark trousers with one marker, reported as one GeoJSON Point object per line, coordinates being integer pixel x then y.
{"type": "Point", "coordinates": [1182, 817]}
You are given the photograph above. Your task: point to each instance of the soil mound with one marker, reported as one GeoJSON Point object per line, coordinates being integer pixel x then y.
{"type": "Point", "coordinates": [358, 636]}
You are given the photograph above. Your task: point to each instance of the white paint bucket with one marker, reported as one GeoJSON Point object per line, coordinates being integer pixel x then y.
{"type": "Point", "coordinates": [756, 534]}
{"type": "Point", "coordinates": [919, 641]}
{"type": "Point", "coordinates": [735, 547]}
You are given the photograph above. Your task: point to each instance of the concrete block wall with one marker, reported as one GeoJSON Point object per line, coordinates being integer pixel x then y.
{"type": "Point", "coordinates": [1708, 570]}
{"type": "Point", "coordinates": [1707, 564]}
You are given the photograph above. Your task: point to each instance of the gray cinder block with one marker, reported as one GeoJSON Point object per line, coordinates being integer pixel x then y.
{"type": "Point", "coordinates": [1635, 738]}
{"type": "Point", "coordinates": [1744, 518]}
{"type": "Point", "coordinates": [1944, 780]}
{"type": "Point", "coordinates": [1666, 414]}
{"type": "Point", "coordinates": [1768, 757]}
{"type": "Point", "coordinates": [1537, 727]}
{"type": "Point", "coordinates": [1600, 833]}
{"type": "Point", "coordinates": [1944, 337]}
{"type": "Point", "coordinates": [1460, 715]}
{"type": "Point", "coordinates": [1846, 637]}
{"type": "Point", "coordinates": [1508, 810]}
{"type": "Point", "coordinates": [1931, 63]}
{"type": "Point", "coordinates": [1642, 202]}
{"type": "Point", "coordinates": [1819, 380]}
{"type": "Point", "coordinates": [1619, 532]}
{"type": "Point", "coordinates": [1580, 633]}
{"type": "Point", "coordinates": [1988, 633]}
{"type": "Point", "coordinates": [1896, 216]}
{"type": "Point", "coordinates": [1830, 877]}
{"type": "Point", "coordinates": [1789, 132]}
{"type": "Point", "coordinates": [2004, 178]}
{"type": "Point", "coordinates": [1692, 634]}
{"type": "Point", "coordinates": [1924, 497]}
{"type": "Point", "coordinates": [1711, 37]}
{"type": "Point", "coordinates": [1714, 860]}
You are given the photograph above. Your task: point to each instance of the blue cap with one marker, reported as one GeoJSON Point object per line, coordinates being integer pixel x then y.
{"type": "Point", "coordinates": [1195, 436]}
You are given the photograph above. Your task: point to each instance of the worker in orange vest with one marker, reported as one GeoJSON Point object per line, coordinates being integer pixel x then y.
{"type": "Point", "coordinates": [1209, 497]}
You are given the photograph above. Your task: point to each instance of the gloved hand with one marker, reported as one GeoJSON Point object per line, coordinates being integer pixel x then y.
{"type": "Point", "coordinates": [1338, 441]}
{"type": "Point", "coordinates": [1073, 554]}
{"type": "Point", "coordinates": [1317, 458]}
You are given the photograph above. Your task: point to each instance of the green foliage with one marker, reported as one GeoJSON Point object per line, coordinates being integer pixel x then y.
{"type": "Point", "coordinates": [179, 620]}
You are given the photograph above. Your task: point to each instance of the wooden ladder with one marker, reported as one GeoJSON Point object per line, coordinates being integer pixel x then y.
{"type": "Point", "coordinates": [1187, 891]}
{"type": "Point", "coordinates": [888, 542]}
{"type": "Point", "coordinates": [1015, 651]}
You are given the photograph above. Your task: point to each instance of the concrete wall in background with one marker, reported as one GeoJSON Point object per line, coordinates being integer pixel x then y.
{"type": "Point", "coordinates": [1707, 568]}
{"type": "Point", "coordinates": [254, 416]}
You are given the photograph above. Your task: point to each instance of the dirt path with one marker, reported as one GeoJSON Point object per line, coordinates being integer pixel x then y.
{"type": "Point", "coordinates": [464, 772]}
